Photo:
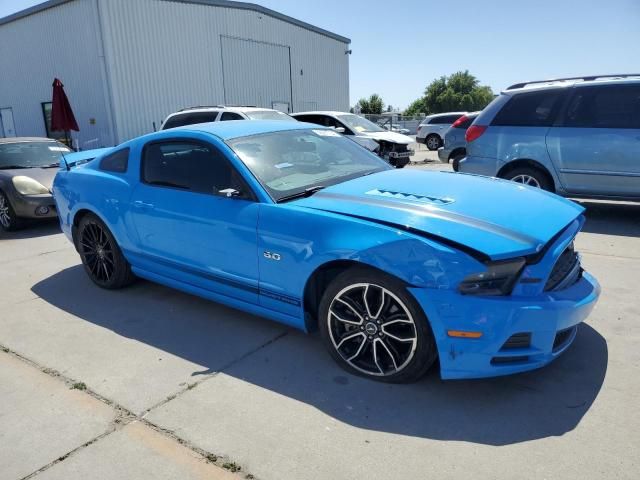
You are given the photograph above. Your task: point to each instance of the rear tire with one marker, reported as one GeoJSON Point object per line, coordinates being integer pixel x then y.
{"type": "Point", "coordinates": [455, 160]}
{"type": "Point", "coordinates": [373, 327]}
{"type": "Point", "coordinates": [433, 142]}
{"type": "Point", "coordinates": [530, 176]}
{"type": "Point", "coordinates": [101, 256]}
{"type": "Point", "coordinates": [9, 221]}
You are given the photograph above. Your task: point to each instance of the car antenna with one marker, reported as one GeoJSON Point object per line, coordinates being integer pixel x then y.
{"type": "Point", "coordinates": [64, 160]}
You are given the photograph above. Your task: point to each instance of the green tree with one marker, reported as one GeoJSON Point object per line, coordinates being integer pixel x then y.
{"type": "Point", "coordinates": [460, 91]}
{"type": "Point", "coordinates": [373, 104]}
{"type": "Point", "coordinates": [416, 108]}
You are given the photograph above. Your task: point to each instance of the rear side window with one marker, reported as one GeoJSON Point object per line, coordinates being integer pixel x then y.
{"type": "Point", "coordinates": [325, 121]}
{"type": "Point", "coordinates": [116, 162]}
{"type": "Point", "coordinates": [615, 106]}
{"type": "Point", "coordinates": [533, 109]}
{"type": "Point", "coordinates": [189, 166]}
{"type": "Point", "coordinates": [231, 116]}
{"type": "Point", "coordinates": [190, 119]}
{"type": "Point", "coordinates": [444, 120]}
{"type": "Point", "coordinates": [310, 118]}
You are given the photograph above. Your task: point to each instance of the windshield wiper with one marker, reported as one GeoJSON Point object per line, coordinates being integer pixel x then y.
{"type": "Point", "coordinates": [13, 167]}
{"type": "Point", "coordinates": [307, 192]}
{"type": "Point", "coordinates": [51, 165]}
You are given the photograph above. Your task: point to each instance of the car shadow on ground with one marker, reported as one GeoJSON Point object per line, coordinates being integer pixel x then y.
{"type": "Point", "coordinates": [612, 218]}
{"type": "Point", "coordinates": [34, 229]}
{"type": "Point", "coordinates": [498, 411]}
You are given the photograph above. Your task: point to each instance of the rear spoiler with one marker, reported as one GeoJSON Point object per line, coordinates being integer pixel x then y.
{"type": "Point", "coordinates": [74, 159]}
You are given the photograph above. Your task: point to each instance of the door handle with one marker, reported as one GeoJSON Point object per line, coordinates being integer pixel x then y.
{"type": "Point", "coordinates": [141, 204]}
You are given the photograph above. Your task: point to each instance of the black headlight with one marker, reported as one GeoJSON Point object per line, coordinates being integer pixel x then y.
{"type": "Point", "coordinates": [498, 279]}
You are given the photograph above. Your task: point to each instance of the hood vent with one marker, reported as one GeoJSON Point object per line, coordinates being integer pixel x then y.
{"type": "Point", "coordinates": [410, 196]}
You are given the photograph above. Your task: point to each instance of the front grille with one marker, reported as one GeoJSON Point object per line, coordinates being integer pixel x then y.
{"type": "Point", "coordinates": [518, 340]}
{"type": "Point", "coordinates": [566, 271]}
{"type": "Point", "coordinates": [399, 147]}
{"type": "Point", "coordinates": [509, 360]}
{"type": "Point", "coordinates": [562, 337]}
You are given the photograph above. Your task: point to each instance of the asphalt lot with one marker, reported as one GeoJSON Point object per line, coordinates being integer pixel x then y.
{"type": "Point", "coordinates": [171, 379]}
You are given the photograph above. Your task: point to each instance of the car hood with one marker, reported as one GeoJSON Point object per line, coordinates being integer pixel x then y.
{"type": "Point", "coordinates": [496, 218]}
{"type": "Point", "coordinates": [392, 137]}
{"type": "Point", "coordinates": [43, 175]}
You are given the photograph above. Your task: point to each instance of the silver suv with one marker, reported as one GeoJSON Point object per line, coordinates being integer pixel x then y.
{"type": "Point", "coordinates": [221, 113]}
{"type": "Point", "coordinates": [431, 130]}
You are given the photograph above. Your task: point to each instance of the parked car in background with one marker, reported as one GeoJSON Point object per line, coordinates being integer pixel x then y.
{"type": "Point", "coordinates": [397, 129]}
{"type": "Point", "coordinates": [432, 128]}
{"type": "Point", "coordinates": [220, 113]}
{"type": "Point", "coordinates": [391, 146]}
{"type": "Point", "coordinates": [454, 145]}
{"type": "Point", "coordinates": [576, 137]}
{"type": "Point", "coordinates": [27, 168]}
{"type": "Point", "coordinates": [295, 222]}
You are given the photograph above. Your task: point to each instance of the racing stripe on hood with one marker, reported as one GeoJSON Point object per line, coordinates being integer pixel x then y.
{"type": "Point", "coordinates": [430, 211]}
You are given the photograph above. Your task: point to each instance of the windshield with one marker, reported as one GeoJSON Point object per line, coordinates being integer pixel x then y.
{"type": "Point", "coordinates": [290, 162]}
{"type": "Point", "coordinates": [30, 154]}
{"type": "Point", "coordinates": [268, 115]}
{"type": "Point", "coordinates": [358, 124]}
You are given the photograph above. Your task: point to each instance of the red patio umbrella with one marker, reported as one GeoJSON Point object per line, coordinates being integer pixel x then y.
{"type": "Point", "coordinates": [62, 118]}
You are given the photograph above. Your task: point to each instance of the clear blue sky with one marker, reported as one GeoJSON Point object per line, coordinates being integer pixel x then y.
{"type": "Point", "coordinates": [399, 46]}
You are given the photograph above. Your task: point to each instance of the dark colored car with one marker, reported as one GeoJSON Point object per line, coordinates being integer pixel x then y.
{"type": "Point", "coordinates": [27, 168]}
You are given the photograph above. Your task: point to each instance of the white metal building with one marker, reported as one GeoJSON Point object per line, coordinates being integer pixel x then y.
{"type": "Point", "coordinates": [126, 64]}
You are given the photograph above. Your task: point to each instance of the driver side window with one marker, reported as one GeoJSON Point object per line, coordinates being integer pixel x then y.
{"type": "Point", "coordinates": [191, 166]}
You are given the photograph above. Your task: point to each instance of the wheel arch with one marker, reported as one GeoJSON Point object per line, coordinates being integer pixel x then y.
{"type": "Point", "coordinates": [529, 163]}
{"type": "Point", "coordinates": [77, 217]}
{"type": "Point", "coordinates": [321, 278]}
{"type": "Point", "coordinates": [454, 152]}
{"type": "Point", "coordinates": [4, 187]}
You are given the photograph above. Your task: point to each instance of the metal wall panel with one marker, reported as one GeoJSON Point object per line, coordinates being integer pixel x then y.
{"type": "Point", "coordinates": [164, 55]}
{"type": "Point", "coordinates": [58, 42]}
{"type": "Point", "coordinates": [240, 56]}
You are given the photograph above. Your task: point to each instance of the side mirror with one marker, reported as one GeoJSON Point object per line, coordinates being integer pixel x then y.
{"type": "Point", "coordinates": [229, 192]}
{"type": "Point", "coordinates": [340, 129]}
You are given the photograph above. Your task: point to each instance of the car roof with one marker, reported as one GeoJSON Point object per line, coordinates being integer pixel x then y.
{"type": "Point", "coordinates": [26, 139]}
{"type": "Point", "coordinates": [445, 113]}
{"type": "Point", "coordinates": [242, 128]}
{"type": "Point", "coordinates": [221, 108]}
{"type": "Point", "coordinates": [572, 82]}
{"type": "Point", "coordinates": [322, 112]}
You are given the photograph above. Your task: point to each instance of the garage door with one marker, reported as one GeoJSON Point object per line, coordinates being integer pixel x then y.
{"type": "Point", "coordinates": [255, 73]}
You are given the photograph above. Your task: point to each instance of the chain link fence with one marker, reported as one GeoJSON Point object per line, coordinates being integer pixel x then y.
{"type": "Point", "coordinates": [396, 122]}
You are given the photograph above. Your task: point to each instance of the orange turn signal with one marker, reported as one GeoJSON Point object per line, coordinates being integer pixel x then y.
{"type": "Point", "coordinates": [461, 334]}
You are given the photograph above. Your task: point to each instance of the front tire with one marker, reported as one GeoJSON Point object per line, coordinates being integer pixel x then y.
{"type": "Point", "coordinates": [374, 328]}
{"type": "Point", "coordinates": [9, 221]}
{"type": "Point", "coordinates": [101, 256]}
{"type": "Point", "coordinates": [530, 176]}
{"type": "Point", "coordinates": [433, 142]}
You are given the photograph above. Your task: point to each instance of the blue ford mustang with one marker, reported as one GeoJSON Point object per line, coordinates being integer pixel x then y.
{"type": "Point", "coordinates": [396, 268]}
